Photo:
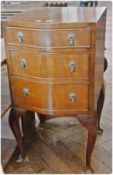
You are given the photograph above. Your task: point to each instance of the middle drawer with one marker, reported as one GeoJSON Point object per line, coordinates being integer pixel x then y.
{"type": "Point", "coordinates": [48, 65]}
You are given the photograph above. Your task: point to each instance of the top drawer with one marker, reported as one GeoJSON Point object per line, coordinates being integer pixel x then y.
{"type": "Point", "coordinates": [49, 38]}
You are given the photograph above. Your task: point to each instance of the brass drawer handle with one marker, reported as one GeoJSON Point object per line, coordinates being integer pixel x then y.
{"type": "Point", "coordinates": [71, 38]}
{"type": "Point", "coordinates": [72, 65]}
{"type": "Point", "coordinates": [20, 37]}
{"type": "Point", "coordinates": [26, 92]}
{"type": "Point", "coordinates": [23, 63]}
{"type": "Point", "coordinates": [72, 97]}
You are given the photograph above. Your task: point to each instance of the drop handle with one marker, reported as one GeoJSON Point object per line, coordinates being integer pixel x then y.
{"type": "Point", "coordinates": [72, 97]}
{"type": "Point", "coordinates": [72, 66]}
{"type": "Point", "coordinates": [23, 63]}
{"type": "Point", "coordinates": [26, 92]}
{"type": "Point", "coordinates": [20, 37]}
{"type": "Point", "coordinates": [71, 38]}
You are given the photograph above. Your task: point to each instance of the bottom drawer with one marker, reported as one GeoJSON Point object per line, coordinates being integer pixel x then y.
{"type": "Point", "coordinates": [49, 98]}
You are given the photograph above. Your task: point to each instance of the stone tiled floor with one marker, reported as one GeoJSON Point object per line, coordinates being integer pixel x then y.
{"type": "Point", "coordinates": [59, 146]}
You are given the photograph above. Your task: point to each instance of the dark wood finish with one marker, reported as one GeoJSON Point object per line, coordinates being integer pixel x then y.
{"type": "Point", "coordinates": [27, 127]}
{"type": "Point", "coordinates": [46, 88]}
{"type": "Point", "coordinates": [14, 117]}
{"type": "Point", "coordinates": [91, 123]}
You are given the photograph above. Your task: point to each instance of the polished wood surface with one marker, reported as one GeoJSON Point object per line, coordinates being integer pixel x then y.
{"type": "Point", "coordinates": [99, 55]}
{"type": "Point", "coordinates": [14, 122]}
{"type": "Point", "coordinates": [47, 16]}
{"type": "Point", "coordinates": [91, 123]}
{"type": "Point", "coordinates": [49, 103]}
{"type": "Point", "coordinates": [50, 88]}
{"type": "Point", "coordinates": [56, 65]}
{"type": "Point", "coordinates": [49, 38]}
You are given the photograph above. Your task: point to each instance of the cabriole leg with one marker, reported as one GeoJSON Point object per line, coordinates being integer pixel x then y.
{"type": "Point", "coordinates": [91, 123]}
{"type": "Point", "coordinates": [14, 116]}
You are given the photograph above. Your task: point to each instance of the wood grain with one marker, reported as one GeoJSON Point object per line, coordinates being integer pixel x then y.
{"type": "Point", "coordinates": [56, 65]}
{"type": "Point", "coordinates": [66, 136]}
{"type": "Point", "coordinates": [44, 17]}
{"type": "Point", "coordinates": [60, 94]}
{"type": "Point", "coordinates": [49, 38]}
{"type": "Point", "coordinates": [49, 102]}
{"type": "Point", "coordinates": [99, 57]}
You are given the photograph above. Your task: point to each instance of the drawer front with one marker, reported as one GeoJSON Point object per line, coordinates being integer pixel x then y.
{"type": "Point", "coordinates": [50, 97]}
{"type": "Point", "coordinates": [50, 65]}
{"type": "Point", "coordinates": [49, 38]}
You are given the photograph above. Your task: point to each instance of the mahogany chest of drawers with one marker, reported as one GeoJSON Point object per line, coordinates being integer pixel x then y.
{"type": "Point", "coordinates": [55, 59]}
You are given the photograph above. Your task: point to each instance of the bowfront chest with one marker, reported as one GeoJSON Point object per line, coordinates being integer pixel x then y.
{"type": "Point", "coordinates": [55, 59]}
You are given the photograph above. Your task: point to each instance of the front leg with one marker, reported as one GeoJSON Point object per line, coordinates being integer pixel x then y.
{"type": "Point", "coordinates": [91, 123]}
{"type": "Point", "coordinates": [14, 116]}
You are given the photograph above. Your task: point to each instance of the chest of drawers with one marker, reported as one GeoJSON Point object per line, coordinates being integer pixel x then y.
{"type": "Point", "coordinates": [55, 59]}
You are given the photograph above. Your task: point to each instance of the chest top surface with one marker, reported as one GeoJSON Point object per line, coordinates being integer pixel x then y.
{"type": "Point", "coordinates": [53, 15]}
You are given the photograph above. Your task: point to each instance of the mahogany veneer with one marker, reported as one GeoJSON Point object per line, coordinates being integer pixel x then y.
{"type": "Point", "coordinates": [55, 58]}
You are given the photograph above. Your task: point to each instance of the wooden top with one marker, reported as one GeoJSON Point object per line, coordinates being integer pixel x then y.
{"type": "Point", "coordinates": [56, 15]}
